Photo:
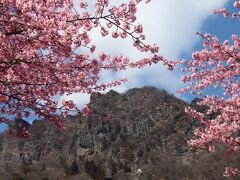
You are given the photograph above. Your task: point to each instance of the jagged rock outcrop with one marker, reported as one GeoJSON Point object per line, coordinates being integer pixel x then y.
{"type": "Point", "coordinates": [148, 131]}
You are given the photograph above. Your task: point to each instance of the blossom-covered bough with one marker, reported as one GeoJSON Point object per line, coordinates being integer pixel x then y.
{"type": "Point", "coordinates": [218, 65]}
{"type": "Point", "coordinates": [46, 50]}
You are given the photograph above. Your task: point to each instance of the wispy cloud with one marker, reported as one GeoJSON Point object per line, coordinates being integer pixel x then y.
{"type": "Point", "coordinates": [171, 24]}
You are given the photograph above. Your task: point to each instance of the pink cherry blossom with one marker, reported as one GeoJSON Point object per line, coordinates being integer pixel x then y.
{"type": "Point", "coordinates": [108, 117]}
{"type": "Point", "coordinates": [218, 66]}
{"type": "Point", "coordinates": [46, 50]}
{"type": "Point", "coordinates": [231, 172]}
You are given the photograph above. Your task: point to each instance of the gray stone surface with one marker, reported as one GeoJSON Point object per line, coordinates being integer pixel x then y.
{"type": "Point", "coordinates": [148, 131]}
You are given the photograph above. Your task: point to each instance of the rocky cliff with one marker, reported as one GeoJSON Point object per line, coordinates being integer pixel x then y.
{"type": "Point", "coordinates": [145, 139]}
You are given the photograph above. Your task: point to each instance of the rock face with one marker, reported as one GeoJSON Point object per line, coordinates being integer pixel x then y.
{"type": "Point", "coordinates": [145, 139]}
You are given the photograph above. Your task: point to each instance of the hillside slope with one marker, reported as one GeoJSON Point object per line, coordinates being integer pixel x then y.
{"type": "Point", "coordinates": [148, 131]}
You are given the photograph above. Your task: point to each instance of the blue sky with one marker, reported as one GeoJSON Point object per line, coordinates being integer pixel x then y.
{"type": "Point", "coordinates": [171, 24]}
{"type": "Point", "coordinates": [218, 26]}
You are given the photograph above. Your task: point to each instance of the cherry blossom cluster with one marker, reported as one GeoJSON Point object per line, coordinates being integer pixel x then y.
{"type": "Point", "coordinates": [231, 172]}
{"type": "Point", "coordinates": [218, 66]}
{"type": "Point", "coordinates": [226, 13]}
{"type": "Point", "coordinates": [39, 53]}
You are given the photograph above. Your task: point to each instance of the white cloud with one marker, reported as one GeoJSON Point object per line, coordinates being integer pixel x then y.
{"type": "Point", "coordinates": [171, 24]}
{"type": "Point", "coordinates": [78, 98]}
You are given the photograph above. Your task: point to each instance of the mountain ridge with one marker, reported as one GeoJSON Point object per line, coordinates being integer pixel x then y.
{"type": "Point", "coordinates": [148, 131]}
